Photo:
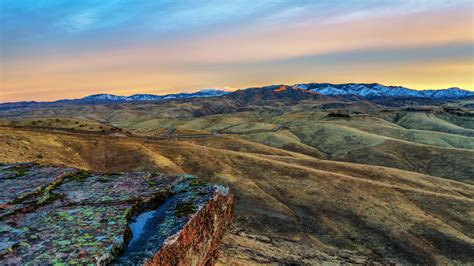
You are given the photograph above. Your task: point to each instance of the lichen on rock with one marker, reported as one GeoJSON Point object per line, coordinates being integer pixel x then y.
{"type": "Point", "coordinates": [52, 214]}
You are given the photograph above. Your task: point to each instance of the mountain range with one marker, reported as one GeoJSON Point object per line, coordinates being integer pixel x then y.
{"type": "Point", "coordinates": [341, 178]}
{"type": "Point", "coordinates": [372, 90]}
{"type": "Point", "coordinates": [151, 97]}
{"type": "Point", "coordinates": [378, 90]}
{"type": "Point", "coordinates": [358, 89]}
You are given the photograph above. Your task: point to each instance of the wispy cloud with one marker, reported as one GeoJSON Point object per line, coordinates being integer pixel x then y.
{"type": "Point", "coordinates": [85, 15]}
{"type": "Point", "coordinates": [102, 15]}
{"type": "Point", "coordinates": [67, 45]}
{"type": "Point", "coordinates": [390, 8]}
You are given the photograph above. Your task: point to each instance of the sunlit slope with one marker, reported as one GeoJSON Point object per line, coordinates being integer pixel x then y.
{"type": "Point", "coordinates": [290, 207]}
{"type": "Point", "coordinates": [70, 124]}
{"type": "Point", "coordinates": [284, 139]}
{"type": "Point", "coordinates": [431, 122]}
{"type": "Point", "coordinates": [374, 139]}
{"type": "Point", "coordinates": [466, 121]}
{"type": "Point", "coordinates": [371, 141]}
{"type": "Point", "coordinates": [431, 141]}
{"type": "Point", "coordinates": [381, 127]}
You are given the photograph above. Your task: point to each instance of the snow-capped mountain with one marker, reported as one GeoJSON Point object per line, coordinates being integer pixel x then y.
{"type": "Point", "coordinates": [151, 97]}
{"type": "Point", "coordinates": [372, 90]}
{"type": "Point", "coordinates": [104, 97]}
{"type": "Point", "coordinates": [115, 98]}
{"type": "Point", "coordinates": [378, 90]}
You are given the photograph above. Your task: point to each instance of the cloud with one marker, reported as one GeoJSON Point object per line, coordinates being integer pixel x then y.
{"type": "Point", "coordinates": [78, 22]}
{"type": "Point", "coordinates": [390, 8]}
{"type": "Point", "coordinates": [106, 14]}
{"type": "Point", "coordinates": [69, 45]}
{"type": "Point", "coordinates": [50, 17]}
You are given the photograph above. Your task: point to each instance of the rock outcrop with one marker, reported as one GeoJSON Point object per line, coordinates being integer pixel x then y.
{"type": "Point", "coordinates": [52, 214]}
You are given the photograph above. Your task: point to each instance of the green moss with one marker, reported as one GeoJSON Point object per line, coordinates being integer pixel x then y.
{"type": "Point", "coordinates": [24, 244]}
{"type": "Point", "coordinates": [46, 198]}
{"type": "Point", "coordinates": [196, 183]}
{"type": "Point", "coordinates": [81, 175]}
{"type": "Point", "coordinates": [103, 179]}
{"type": "Point", "coordinates": [202, 193]}
{"type": "Point", "coordinates": [48, 195]}
{"type": "Point", "coordinates": [8, 250]}
{"type": "Point", "coordinates": [18, 170]}
{"type": "Point", "coordinates": [77, 228]}
{"type": "Point", "coordinates": [56, 262]}
{"type": "Point", "coordinates": [186, 208]}
{"type": "Point", "coordinates": [26, 196]}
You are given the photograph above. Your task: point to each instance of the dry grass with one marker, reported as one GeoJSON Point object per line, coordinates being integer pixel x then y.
{"type": "Point", "coordinates": [290, 207]}
{"type": "Point", "coordinates": [71, 124]}
{"type": "Point", "coordinates": [377, 186]}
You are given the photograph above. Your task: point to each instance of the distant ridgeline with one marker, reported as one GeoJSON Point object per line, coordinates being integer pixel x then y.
{"type": "Point", "coordinates": [372, 90]}
{"type": "Point", "coordinates": [52, 214]}
{"type": "Point", "coordinates": [378, 90]}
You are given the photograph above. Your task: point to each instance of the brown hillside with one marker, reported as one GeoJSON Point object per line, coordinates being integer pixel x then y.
{"type": "Point", "coordinates": [290, 207]}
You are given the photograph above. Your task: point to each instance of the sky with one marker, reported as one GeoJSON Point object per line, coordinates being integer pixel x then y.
{"type": "Point", "coordinates": [56, 49]}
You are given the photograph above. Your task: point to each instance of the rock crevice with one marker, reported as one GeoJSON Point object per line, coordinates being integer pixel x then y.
{"type": "Point", "coordinates": [100, 218]}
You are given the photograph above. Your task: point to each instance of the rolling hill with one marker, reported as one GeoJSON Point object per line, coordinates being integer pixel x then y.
{"type": "Point", "coordinates": [286, 201]}
{"type": "Point", "coordinates": [316, 178]}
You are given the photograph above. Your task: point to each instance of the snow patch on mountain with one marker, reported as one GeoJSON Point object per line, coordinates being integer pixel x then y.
{"type": "Point", "coordinates": [378, 90]}
{"type": "Point", "coordinates": [153, 97]}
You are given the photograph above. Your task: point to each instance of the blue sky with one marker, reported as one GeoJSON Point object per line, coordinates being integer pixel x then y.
{"type": "Point", "coordinates": [54, 49]}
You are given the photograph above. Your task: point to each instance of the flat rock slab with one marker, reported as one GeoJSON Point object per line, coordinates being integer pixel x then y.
{"type": "Point", "coordinates": [52, 214]}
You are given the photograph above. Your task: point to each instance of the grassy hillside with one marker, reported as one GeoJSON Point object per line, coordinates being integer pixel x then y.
{"type": "Point", "coordinates": [431, 122]}
{"type": "Point", "coordinates": [290, 207]}
{"type": "Point", "coordinates": [381, 127]}
{"type": "Point", "coordinates": [375, 139]}
{"type": "Point", "coordinates": [71, 124]}
{"type": "Point", "coordinates": [316, 179]}
{"type": "Point", "coordinates": [430, 140]}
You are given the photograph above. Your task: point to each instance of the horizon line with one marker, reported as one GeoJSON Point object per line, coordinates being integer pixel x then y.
{"type": "Point", "coordinates": [229, 89]}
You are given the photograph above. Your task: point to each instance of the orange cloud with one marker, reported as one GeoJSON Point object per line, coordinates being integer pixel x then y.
{"type": "Point", "coordinates": [194, 62]}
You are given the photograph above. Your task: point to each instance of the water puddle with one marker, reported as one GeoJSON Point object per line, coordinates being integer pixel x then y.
{"type": "Point", "coordinates": [145, 223]}
{"type": "Point", "coordinates": [149, 231]}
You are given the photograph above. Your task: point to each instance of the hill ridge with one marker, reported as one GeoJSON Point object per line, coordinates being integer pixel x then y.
{"type": "Point", "coordinates": [366, 90]}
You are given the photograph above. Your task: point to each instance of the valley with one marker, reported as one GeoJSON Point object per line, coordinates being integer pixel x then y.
{"type": "Point", "coordinates": [199, 132]}
{"type": "Point", "coordinates": [315, 178]}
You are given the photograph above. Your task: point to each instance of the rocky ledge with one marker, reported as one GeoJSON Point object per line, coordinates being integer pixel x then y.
{"type": "Point", "coordinates": [52, 214]}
